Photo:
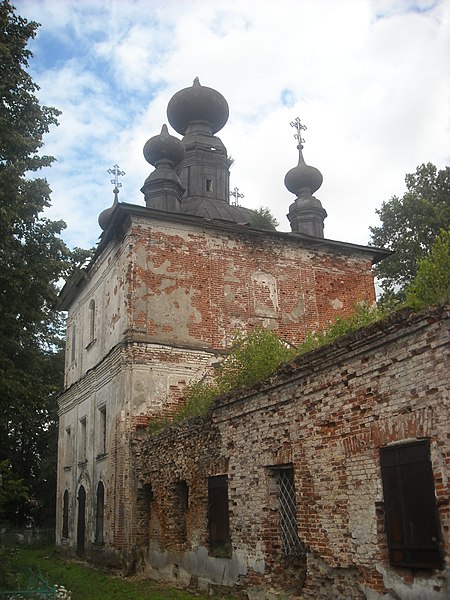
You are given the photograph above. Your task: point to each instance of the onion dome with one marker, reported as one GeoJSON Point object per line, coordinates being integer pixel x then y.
{"type": "Point", "coordinates": [306, 214]}
{"type": "Point", "coordinates": [163, 189]}
{"type": "Point", "coordinates": [105, 216]}
{"type": "Point", "coordinates": [197, 104]}
{"type": "Point", "coordinates": [164, 147]}
{"type": "Point", "coordinates": [303, 179]}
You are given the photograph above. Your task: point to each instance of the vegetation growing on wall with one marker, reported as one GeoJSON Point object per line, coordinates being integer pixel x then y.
{"type": "Point", "coordinates": [254, 356]}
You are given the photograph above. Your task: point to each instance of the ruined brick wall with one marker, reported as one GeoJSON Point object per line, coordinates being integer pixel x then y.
{"type": "Point", "coordinates": [326, 414]}
{"type": "Point", "coordinates": [197, 286]}
{"type": "Point", "coordinates": [158, 307]}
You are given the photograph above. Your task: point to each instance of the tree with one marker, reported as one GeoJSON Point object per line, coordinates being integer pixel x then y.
{"type": "Point", "coordinates": [431, 285]}
{"type": "Point", "coordinates": [33, 258]}
{"type": "Point", "coordinates": [409, 226]}
{"type": "Point", "coordinates": [264, 218]}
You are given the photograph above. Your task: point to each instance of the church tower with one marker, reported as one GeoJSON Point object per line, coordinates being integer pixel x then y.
{"type": "Point", "coordinates": [169, 286]}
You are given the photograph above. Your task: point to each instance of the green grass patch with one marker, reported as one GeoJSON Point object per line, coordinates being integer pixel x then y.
{"type": "Point", "coordinates": [86, 583]}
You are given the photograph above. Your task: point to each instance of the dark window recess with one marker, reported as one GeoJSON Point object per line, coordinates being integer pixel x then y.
{"type": "Point", "coordinates": [412, 521]}
{"type": "Point", "coordinates": [65, 516]}
{"type": "Point", "coordinates": [144, 508]}
{"type": "Point", "coordinates": [99, 515]}
{"type": "Point", "coordinates": [181, 505]}
{"type": "Point", "coordinates": [209, 185]}
{"type": "Point", "coordinates": [291, 543]}
{"type": "Point", "coordinates": [218, 517]}
{"type": "Point", "coordinates": [81, 522]}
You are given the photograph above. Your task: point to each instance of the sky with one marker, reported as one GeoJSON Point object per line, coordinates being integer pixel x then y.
{"type": "Point", "coordinates": [370, 79]}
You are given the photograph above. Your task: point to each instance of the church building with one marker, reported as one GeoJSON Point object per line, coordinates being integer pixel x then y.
{"type": "Point", "coordinates": [172, 280]}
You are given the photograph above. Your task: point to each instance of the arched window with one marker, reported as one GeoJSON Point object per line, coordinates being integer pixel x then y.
{"type": "Point", "coordinates": [65, 516]}
{"type": "Point", "coordinates": [99, 520]}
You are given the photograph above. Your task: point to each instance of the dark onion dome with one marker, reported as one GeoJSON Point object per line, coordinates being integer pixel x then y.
{"type": "Point", "coordinates": [303, 179]}
{"type": "Point", "coordinates": [164, 147]}
{"type": "Point", "coordinates": [210, 209]}
{"type": "Point", "coordinates": [105, 216]}
{"type": "Point", "coordinates": [198, 104]}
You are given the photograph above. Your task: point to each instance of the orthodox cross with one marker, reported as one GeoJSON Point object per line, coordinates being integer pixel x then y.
{"type": "Point", "coordinates": [117, 173]}
{"type": "Point", "coordinates": [235, 193]}
{"type": "Point", "coordinates": [297, 124]}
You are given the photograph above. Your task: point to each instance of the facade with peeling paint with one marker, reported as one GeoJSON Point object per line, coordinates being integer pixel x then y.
{"type": "Point", "coordinates": [170, 284]}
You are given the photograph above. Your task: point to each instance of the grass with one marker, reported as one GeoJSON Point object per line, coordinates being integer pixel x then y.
{"type": "Point", "coordinates": [89, 584]}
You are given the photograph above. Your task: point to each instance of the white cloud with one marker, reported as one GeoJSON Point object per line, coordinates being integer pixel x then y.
{"type": "Point", "coordinates": [370, 80]}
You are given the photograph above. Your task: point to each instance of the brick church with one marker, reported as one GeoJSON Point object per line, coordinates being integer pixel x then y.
{"type": "Point", "coordinates": [170, 284]}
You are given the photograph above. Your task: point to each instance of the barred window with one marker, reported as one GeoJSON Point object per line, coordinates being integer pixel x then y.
{"type": "Point", "coordinates": [291, 543]}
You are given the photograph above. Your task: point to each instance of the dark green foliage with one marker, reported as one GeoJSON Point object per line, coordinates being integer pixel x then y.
{"type": "Point", "coordinates": [253, 356]}
{"type": "Point", "coordinates": [409, 226]}
{"type": "Point", "coordinates": [264, 218]}
{"type": "Point", "coordinates": [363, 315]}
{"type": "Point", "coordinates": [33, 258]}
{"type": "Point", "coordinates": [431, 285]}
{"type": "Point", "coordinates": [9, 566]}
{"type": "Point", "coordinates": [256, 355]}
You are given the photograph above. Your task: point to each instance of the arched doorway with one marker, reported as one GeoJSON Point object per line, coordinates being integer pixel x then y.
{"type": "Point", "coordinates": [81, 522]}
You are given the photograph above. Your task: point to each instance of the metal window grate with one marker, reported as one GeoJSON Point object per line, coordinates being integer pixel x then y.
{"type": "Point", "coordinates": [292, 545]}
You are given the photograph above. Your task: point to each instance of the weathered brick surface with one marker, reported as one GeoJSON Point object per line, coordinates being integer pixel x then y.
{"type": "Point", "coordinates": [199, 286]}
{"type": "Point", "coordinates": [327, 413]}
{"type": "Point", "coordinates": [157, 307]}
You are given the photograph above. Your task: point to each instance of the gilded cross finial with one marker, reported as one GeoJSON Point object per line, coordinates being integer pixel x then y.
{"type": "Point", "coordinates": [117, 173]}
{"type": "Point", "coordinates": [299, 127]}
{"type": "Point", "coordinates": [236, 195]}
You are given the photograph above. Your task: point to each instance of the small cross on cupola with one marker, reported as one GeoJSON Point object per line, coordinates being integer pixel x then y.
{"type": "Point", "coordinates": [236, 195]}
{"type": "Point", "coordinates": [105, 215]}
{"type": "Point", "coordinates": [117, 173]}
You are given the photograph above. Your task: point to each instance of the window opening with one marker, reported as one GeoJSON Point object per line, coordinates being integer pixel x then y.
{"type": "Point", "coordinates": [65, 516]}
{"type": "Point", "coordinates": [68, 446]}
{"type": "Point", "coordinates": [81, 522]}
{"type": "Point", "coordinates": [91, 321]}
{"type": "Point", "coordinates": [209, 185]}
{"type": "Point", "coordinates": [83, 440]}
{"type": "Point", "coordinates": [218, 516]}
{"type": "Point", "coordinates": [412, 521]}
{"type": "Point", "coordinates": [99, 514]}
{"type": "Point", "coordinates": [181, 505]}
{"type": "Point", "coordinates": [73, 344]}
{"type": "Point", "coordinates": [102, 430]}
{"type": "Point", "coordinates": [144, 513]}
{"type": "Point", "coordinates": [287, 508]}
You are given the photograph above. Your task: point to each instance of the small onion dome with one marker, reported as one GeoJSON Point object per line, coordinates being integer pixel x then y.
{"type": "Point", "coordinates": [164, 147]}
{"type": "Point", "coordinates": [105, 216]}
{"type": "Point", "coordinates": [303, 179]}
{"type": "Point", "coordinates": [197, 104]}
